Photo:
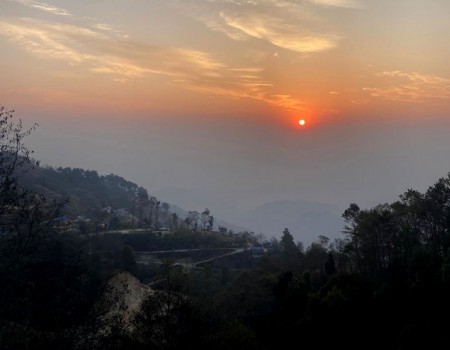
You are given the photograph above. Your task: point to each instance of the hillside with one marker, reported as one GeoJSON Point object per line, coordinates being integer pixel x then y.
{"type": "Point", "coordinates": [94, 196]}
{"type": "Point", "coordinates": [86, 190]}
{"type": "Point", "coordinates": [101, 198]}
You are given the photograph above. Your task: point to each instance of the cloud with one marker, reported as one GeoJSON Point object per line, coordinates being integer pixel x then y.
{"type": "Point", "coordinates": [410, 87]}
{"type": "Point", "coordinates": [290, 25]}
{"type": "Point", "coordinates": [105, 27]}
{"type": "Point", "coordinates": [338, 3]}
{"type": "Point", "coordinates": [279, 33]}
{"type": "Point", "coordinates": [45, 40]}
{"type": "Point", "coordinates": [246, 85]}
{"type": "Point", "coordinates": [106, 53]}
{"type": "Point", "coordinates": [44, 7]}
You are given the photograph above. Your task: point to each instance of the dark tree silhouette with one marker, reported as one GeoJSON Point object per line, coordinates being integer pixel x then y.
{"type": "Point", "coordinates": [330, 266]}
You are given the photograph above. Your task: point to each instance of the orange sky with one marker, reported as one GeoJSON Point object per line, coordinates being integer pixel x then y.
{"type": "Point", "coordinates": [319, 58]}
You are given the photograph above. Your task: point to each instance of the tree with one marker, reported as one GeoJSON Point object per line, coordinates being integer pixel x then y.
{"type": "Point", "coordinates": [350, 216]}
{"type": "Point", "coordinates": [25, 216]}
{"type": "Point", "coordinates": [210, 222]}
{"type": "Point", "coordinates": [330, 266]}
{"type": "Point", "coordinates": [168, 320]}
{"type": "Point", "coordinates": [165, 206]}
{"type": "Point", "coordinates": [192, 220]}
{"type": "Point", "coordinates": [205, 219]}
{"type": "Point", "coordinates": [175, 220]}
{"type": "Point", "coordinates": [324, 241]}
{"type": "Point", "coordinates": [25, 221]}
{"type": "Point", "coordinates": [128, 261]}
{"type": "Point", "coordinates": [157, 204]}
{"type": "Point", "coordinates": [287, 242]}
{"type": "Point", "coordinates": [152, 202]}
{"type": "Point", "coordinates": [14, 159]}
{"type": "Point", "coordinates": [143, 202]}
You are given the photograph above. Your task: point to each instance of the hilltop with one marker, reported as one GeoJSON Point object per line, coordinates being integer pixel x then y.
{"type": "Point", "coordinates": [111, 201]}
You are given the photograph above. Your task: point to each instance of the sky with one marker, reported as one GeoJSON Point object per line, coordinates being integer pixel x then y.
{"type": "Point", "coordinates": [199, 100]}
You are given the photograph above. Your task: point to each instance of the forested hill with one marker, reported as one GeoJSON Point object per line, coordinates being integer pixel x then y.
{"type": "Point", "coordinates": [110, 200]}
{"type": "Point", "coordinates": [86, 190]}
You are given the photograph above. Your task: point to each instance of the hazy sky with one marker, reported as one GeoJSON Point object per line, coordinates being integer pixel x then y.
{"type": "Point", "coordinates": [199, 100]}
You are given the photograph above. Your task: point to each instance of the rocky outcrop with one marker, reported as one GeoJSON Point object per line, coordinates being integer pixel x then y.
{"type": "Point", "coordinates": [122, 300]}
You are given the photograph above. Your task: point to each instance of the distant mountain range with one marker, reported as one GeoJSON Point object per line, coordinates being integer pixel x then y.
{"type": "Point", "coordinates": [89, 192]}
{"type": "Point", "coordinates": [305, 220]}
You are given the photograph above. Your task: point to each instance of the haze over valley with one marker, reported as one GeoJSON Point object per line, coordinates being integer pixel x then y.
{"type": "Point", "coordinates": [224, 174]}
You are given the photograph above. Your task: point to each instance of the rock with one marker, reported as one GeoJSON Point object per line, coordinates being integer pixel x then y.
{"type": "Point", "coordinates": [122, 300]}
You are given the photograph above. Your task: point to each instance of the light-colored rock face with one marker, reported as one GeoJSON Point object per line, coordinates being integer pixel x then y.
{"type": "Point", "coordinates": [123, 297]}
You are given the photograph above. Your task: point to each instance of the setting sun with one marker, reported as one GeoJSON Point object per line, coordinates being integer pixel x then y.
{"type": "Point", "coordinates": [301, 122]}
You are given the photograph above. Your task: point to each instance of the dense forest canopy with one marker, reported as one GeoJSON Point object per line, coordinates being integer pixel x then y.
{"type": "Point", "coordinates": [86, 189]}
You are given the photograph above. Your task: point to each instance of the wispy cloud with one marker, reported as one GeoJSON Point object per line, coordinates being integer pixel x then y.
{"type": "Point", "coordinates": [104, 52]}
{"type": "Point", "coordinates": [45, 40]}
{"type": "Point", "coordinates": [410, 87]}
{"type": "Point", "coordinates": [290, 25]}
{"type": "Point", "coordinates": [105, 27]}
{"type": "Point", "coordinates": [339, 3]}
{"type": "Point", "coordinates": [43, 6]}
{"type": "Point", "coordinates": [279, 33]}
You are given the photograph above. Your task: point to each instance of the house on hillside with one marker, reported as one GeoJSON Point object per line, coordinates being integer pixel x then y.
{"type": "Point", "coordinates": [256, 251]}
{"type": "Point", "coordinates": [62, 224]}
{"type": "Point", "coordinates": [124, 216]}
{"type": "Point", "coordinates": [163, 230]}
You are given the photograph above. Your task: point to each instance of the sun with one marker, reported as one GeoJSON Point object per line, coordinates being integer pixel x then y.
{"type": "Point", "coordinates": [302, 122]}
